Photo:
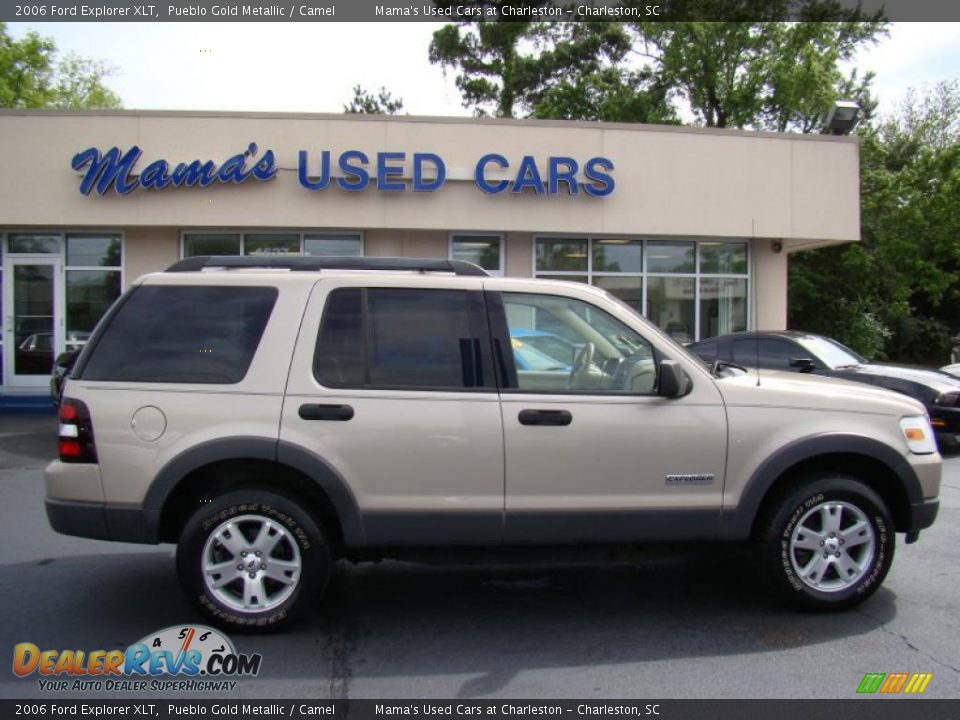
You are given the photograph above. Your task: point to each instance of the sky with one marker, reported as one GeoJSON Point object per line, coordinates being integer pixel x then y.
{"type": "Point", "coordinates": [312, 67]}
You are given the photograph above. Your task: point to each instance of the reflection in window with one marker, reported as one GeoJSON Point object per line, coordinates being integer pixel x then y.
{"type": "Point", "coordinates": [271, 243]}
{"type": "Point", "coordinates": [559, 254]}
{"type": "Point", "coordinates": [33, 243]}
{"type": "Point", "coordinates": [211, 244]}
{"type": "Point", "coordinates": [88, 250]}
{"type": "Point", "coordinates": [726, 258]}
{"type": "Point", "coordinates": [659, 277]}
{"type": "Point", "coordinates": [723, 306]}
{"type": "Point", "coordinates": [627, 288]}
{"type": "Point", "coordinates": [33, 318]}
{"type": "Point", "coordinates": [482, 250]}
{"type": "Point", "coordinates": [89, 294]}
{"type": "Point", "coordinates": [330, 245]}
{"type": "Point", "coordinates": [568, 278]}
{"type": "Point", "coordinates": [616, 255]}
{"type": "Point", "coordinates": [670, 304]}
{"type": "Point", "coordinates": [670, 257]}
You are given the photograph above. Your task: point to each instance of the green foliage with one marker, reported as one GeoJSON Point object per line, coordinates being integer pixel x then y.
{"type": "Point", "coordinates": [770, 75]}
{"type": "Point", "coordinates": [761, 75]}
{"type": "Point", "coordinates": [32, 76]}
{"type": "Point", "coordinates": [363, 102]}
{"type": "Point", "coordinates": [906, 270]}
{"type": "Point", "coordinates": [575, 71]}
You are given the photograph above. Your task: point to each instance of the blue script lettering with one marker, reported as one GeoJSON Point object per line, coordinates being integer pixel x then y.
{"type": "Point", "coordinates": [115, 170]}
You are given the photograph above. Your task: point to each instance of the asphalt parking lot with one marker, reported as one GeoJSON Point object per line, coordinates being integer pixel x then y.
{"type": "Point", "coordinates": [669, 623]}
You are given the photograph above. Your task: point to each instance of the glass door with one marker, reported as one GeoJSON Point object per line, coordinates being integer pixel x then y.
{"type": "Point", "coordinates": [31, 326]}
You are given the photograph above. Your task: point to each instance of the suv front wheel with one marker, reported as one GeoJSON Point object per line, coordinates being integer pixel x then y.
{"type": "Point", "coordinates": [252, 560]}
{"type": "Point", "coordinates": [828, 544]}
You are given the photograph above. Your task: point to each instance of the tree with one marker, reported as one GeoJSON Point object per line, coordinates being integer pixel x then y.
{"type": "Point", "coordinates": [766, 74]}
{"type": "Point", "coordinates": [548, 70]}
{"type": "Point", "coordinates": [897, 292]}
{"type": "Point", "coordinates": [363, 102]}
{"type": "Point", "coordinates": [761, 75]}
{"type": "Point", "coordinates": [33, 76]}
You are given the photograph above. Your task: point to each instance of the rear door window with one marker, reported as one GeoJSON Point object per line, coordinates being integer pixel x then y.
{"type": "Point", "coordinates": [182, 334]}
{"type": "Point", "coordinates": [403, 338]}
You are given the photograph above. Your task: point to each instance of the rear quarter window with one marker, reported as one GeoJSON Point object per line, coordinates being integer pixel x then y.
{"type": "Point", "coordinates": [182, 334]}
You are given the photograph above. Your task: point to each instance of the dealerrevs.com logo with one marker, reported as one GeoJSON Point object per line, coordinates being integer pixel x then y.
{"type": "Point", "coordinates": [177, 658]}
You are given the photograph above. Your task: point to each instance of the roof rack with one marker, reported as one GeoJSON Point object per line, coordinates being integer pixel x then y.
{"type": "Point", "coordinates": [313, 264]}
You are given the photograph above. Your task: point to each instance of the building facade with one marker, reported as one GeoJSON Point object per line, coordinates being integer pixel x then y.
{"type": "Point", "coordinates": [691, 227]}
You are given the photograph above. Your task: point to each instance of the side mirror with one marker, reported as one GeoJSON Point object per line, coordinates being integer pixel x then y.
{"type": "Point", "coordinates": [673, 380]}
{"type": "Point", "coordinates": [804, 365]}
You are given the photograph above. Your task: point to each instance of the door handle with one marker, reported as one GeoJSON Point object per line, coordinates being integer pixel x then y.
{"type": "Point", "coordinates": [326, 412]}
{"type": "Point", "coordinates": [545, 417]}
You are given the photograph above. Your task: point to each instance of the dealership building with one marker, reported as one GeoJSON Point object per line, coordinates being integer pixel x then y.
{"type": "Point", "coordinates": [690, 226]}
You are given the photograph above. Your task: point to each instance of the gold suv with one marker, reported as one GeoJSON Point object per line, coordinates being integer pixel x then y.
{"type": "Point", "coordinates": [273, 415]}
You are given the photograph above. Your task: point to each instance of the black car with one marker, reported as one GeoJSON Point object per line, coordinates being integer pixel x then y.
{"type": "Point", "coordinates": [61, 368]}
{"type": "Point", "coordinates": [807, 353]}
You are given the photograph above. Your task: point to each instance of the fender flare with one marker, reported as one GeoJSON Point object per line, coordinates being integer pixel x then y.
{"type": "Point", "coordinates": [258, 448]}
{"type": "Point", "coordinates": [737, 522]}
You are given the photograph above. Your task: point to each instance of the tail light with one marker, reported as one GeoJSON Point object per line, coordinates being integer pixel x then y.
{"type": "Point", "coordinates": [75, 443]}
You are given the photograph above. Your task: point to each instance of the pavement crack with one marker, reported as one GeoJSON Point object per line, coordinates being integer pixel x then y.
{"type": "Point", "coordinates": [906, 641]}
{"type": "Point", "coordinates": [342, 645]}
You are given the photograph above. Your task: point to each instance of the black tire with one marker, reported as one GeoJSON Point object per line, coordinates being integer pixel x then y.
{"type": "Point", "coordinates": [297, 537]}
{"type": "Point", "coordinates": [783, 557]}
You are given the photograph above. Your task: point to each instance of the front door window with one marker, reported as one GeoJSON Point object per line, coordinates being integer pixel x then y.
{"type": "Point", "coordinates": [563, 345]}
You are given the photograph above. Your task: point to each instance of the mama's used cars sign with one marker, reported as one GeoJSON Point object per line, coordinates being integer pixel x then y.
{"type": "Point", "coordinates": [351, 171]}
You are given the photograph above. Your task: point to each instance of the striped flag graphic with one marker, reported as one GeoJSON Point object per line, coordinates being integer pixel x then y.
{"type": "Point", "coordinates": [894, 683]}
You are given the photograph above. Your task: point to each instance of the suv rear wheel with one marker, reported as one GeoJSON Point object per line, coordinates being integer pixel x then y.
{"type": "Point", "coordinates": [827, 545]}
{"type": "Point", "coordinates": [252, 560]}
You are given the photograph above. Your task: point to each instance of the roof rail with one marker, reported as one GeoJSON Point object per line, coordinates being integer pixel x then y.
{"type": "Point", "coordinates": [308, 264]}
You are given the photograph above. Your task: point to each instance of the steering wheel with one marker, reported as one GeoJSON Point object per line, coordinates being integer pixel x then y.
{"type": "Point", "coordinates": [582, 361]}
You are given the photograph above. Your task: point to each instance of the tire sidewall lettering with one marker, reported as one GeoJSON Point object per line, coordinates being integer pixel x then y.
{"type": "Point", "coordinates": [879, 564]}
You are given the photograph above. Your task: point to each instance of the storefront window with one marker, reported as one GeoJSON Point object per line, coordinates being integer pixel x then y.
{"type": "Point", "coordinates": [89, 294]}
{"type": "Point", "coordinates": [331, 245]}
{"type": "Point", "coordinates": [211, 244]}
{"type": "Point", "coordinates": [723, 258]}
{"type": "Point", "coordinates": [271, 243]}
{"type": "Point", "coordinates": [629, 289]}
{"type": "Point", "coordinates": [89, 290]}
{"type": "Point", "coordinates": [723, 306]}
{"type": "Point", "coordinates": [87, 250]}
{"type": "Point", "coordinates": [617, 255]}
{"type": "Point", "coordinates": [670, 257]}
{"type": "Point", "coordinates": [671, 305]}
{"type": "Point", "coordinates": [483, 250]}
{"type": "Point", "coordinates": [33, 243]}
{"type": "Point", "coordinates": [562, 254]}
{"type": "Point", "coordinates": [569, 277]}
{"type": "Point", "coordinates": [659, 278]}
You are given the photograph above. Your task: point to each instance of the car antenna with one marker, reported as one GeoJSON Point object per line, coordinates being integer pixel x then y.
{"type": "Point", "coordinates": [756, 295]}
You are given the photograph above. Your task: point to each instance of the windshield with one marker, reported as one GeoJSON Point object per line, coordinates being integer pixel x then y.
{"type": "Point", "coordinates": [830, 352]}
